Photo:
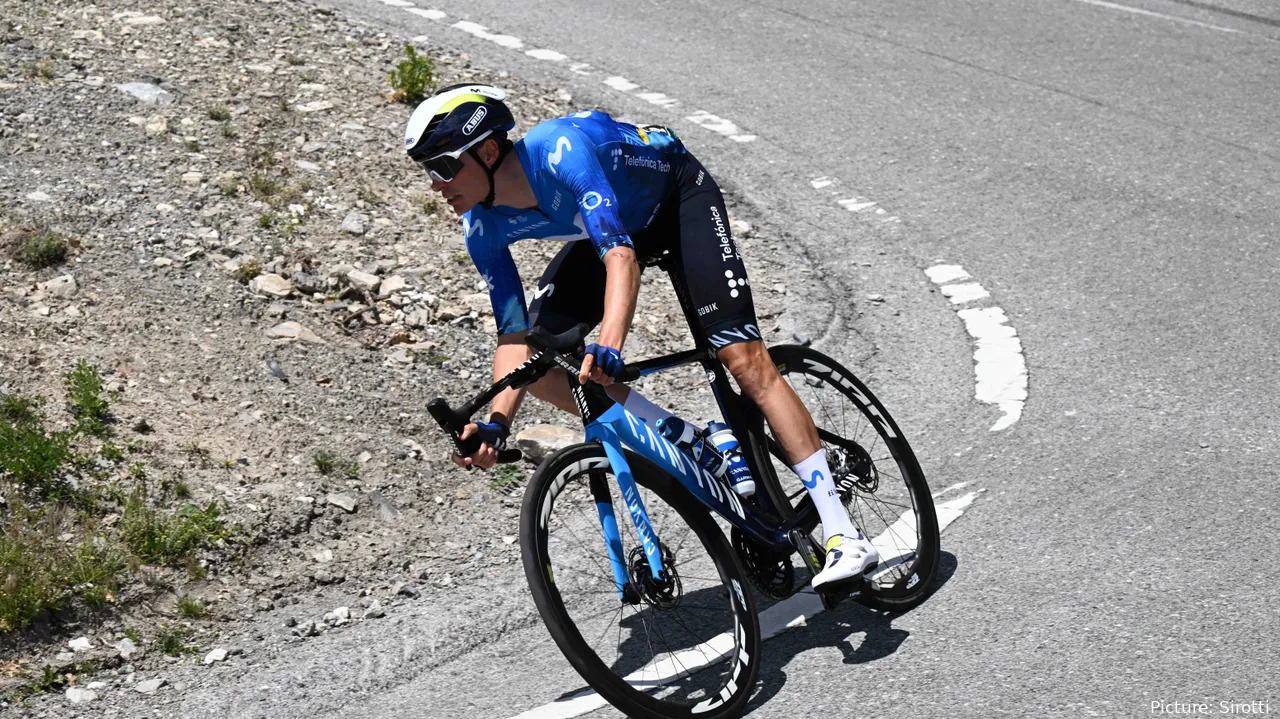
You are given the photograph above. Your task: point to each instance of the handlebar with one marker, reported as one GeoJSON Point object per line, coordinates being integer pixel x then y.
{"type": "Point", "coordinates": [549, 347]}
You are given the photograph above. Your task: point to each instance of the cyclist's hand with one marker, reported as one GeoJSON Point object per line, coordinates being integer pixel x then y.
{"type": "Point", "coordinates": [493, 438]}
{"type": "Point", "coordinates": [601, 365]}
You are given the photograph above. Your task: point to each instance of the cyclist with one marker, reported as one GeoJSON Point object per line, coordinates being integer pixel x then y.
{"type": "Point", "coordinates": [626, 192]}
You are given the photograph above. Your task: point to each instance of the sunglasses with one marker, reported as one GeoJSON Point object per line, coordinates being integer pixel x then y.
{"type": "Point", "coordinates": [446, 166]}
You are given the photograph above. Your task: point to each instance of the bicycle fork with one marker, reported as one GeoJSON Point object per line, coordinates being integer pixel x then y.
{"type": "Point", "coordinates": [627, 591]}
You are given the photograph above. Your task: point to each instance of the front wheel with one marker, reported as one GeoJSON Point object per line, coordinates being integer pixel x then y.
{"type": "Point", "coordinates": [684, 647]}
{"type": "Point", "coordinates": [881, 484]}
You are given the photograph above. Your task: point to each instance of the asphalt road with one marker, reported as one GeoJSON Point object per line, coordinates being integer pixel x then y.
{"type": "Point", "coordinates": [1110, 173]}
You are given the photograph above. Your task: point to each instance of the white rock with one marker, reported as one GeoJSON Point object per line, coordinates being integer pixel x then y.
{"type": "Point", "coordinates": [392, 284]}
{"type": "Point", "coordinates": [62, 287]}
{"type": "Point", "coordinates": [259, 68]}
{"type": "Point", "coordinates": [126, 648]}
{"type": "Point", "coordinates": [162, 262]}
{"type": "Point", "coordinates": [149, 686]}
{"type": "Point", "coordinates": [353, 224]}
{"type": "Point", "coordinates": [541, 440]}
{"type": "Point", "coordinates": [342, 614]}
{"type": "Point", "coordinates": [323, 556]}
{"type": "Point", "coordinates": [316, 106]}
{"type": "Point", "coordinates": [479, 303]}
{"type": "Point", "coordinates": [363, 280]}
{"type": "Point", "coordinates": [147, 94]}
{"type": "Point", "coordinates": [96, 686]}
{"type": "Point", "coordinates": [216, 655]}
{"type": "Point", "coordinates": [76, 695]}
{"type": "Point", "coordinates": [293, 331]}
{"type": "Point", "coordinates": [144, 20]}
{"type": "Point", "coordinates": [192, 178]}
{"type": "Point", "coordinates": [308, 166]}
{"type": "Point", "coordinates": [38, 196]}
{"type": "Point", "coordinates": [343, 502]}
{"type": "Point", "coordinates": [271, 284]}
{"type": "Point", "coordinates": [375, 611]}
{"type": "Point", "coordinates": [88, 35]}
{"type": "Point", "coordinates": [80, 644]}
{"type": "Point", "coordinates": [156, 125]}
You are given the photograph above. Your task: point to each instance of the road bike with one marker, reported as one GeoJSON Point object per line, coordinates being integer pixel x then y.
{"type": "Point", "coordinates": [654, 610]}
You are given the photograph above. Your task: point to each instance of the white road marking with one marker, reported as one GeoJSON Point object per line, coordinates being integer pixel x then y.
{"type": "Point", "coordinates": [942, 274]}
{"type": "Point", "coordinates": [428, 14]}
{"type": "Point", "coordinates": [657, 98]}
{"type": "Point", "coordinates": [620, 84]}
{"type": "Point", "coordinates": [483, 33]}
{"type": "Point", "coordinates": [1000, 370]}
{"type": "Point", "coordinates": [856, 204]}
{"type": "Point", "coordinates": [795, 611]}
{"type": "Point", "coordinates": [397, 3]}
{"type": "Point", "coordinates": [714, 123]}
{"type": "Point", "coordinates": [550, 55]}
{"type": "Point", "coordinates": [1149, 13]}
{"type": "Point", "coordinates": [961, 294]}
{"type": "Point", "coordinates": [822, 182]}
{"type": "Point", "coordinates": [952, 488]}
{"type": "Point", "coordinates": [742, 138]}
{"type": "Point", "coordinates": [579, 68]}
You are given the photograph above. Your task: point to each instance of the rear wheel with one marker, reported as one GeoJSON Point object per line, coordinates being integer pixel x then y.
{"type": "Point", "coordinates": [684, 647]}
{"type": "Point", "coordinates": [881, 484]}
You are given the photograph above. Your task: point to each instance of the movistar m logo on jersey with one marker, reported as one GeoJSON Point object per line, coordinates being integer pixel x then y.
{"type": "Point", "coordinates": [553, 158]}
{"type": "Point", "coordinates": [468, 229]}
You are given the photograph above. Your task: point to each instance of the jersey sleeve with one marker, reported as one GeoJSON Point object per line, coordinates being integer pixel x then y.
{"type": "Point", "coordinates": [492, 257]}
{"type": "Point", "coordinates": [572, 161]}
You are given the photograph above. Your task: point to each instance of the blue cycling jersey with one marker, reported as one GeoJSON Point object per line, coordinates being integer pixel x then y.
{"type": "Point", "coordinates": [594, 179]}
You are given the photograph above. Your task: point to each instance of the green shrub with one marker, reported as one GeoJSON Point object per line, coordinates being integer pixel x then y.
{"type": "Point", "coordinates": [38, 572]}
{"type": "Point", "coordinates": [506, 477]}
{"type": "Point", "coordinates": [29, 455]}
{"type": "Point", "coordinates": [87, 397]}
{"type": "Point", "coordinates": [42, 249]}
{"type": "Point", "coordinates": [413, 77]}
{"type": "Point", "coordinates": [155, 535]}
{"type": "Point", "coordinates": [262, 186]}
{"type": "Point", "coordinates": [190, 608]}
{"type": "Point", "coordinates": [219, 113]}
{"type": "Point", "coordinates": [248, 270]}
{"type": "Point", "coordinates": [172, 640]}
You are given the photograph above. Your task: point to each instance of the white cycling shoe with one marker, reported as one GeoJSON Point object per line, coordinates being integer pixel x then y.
{"type": "Point", "coordinates": [848, 558]}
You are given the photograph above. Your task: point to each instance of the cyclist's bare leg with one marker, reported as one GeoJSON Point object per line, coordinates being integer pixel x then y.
{"type": "Point", "coordinates": [792, 425]}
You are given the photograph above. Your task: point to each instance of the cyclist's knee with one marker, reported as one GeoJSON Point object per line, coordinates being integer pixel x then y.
{"type": "Point", "coordinates": [750, 365]}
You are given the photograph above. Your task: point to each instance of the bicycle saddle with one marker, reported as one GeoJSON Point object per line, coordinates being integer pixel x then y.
{"type": "Point", "coordinates": [570, 340]}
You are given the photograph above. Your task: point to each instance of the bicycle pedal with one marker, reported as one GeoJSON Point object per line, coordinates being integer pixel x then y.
{"type": "Point", "coordinates": [812, 554]}
{"type": "Point", "coordinates": [837, 592]}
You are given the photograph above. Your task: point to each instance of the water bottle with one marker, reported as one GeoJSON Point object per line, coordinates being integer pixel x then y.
{"type": "Point", "coordinates": [689, 438]}
{"type": "Point", "coordinates": [734, 464]}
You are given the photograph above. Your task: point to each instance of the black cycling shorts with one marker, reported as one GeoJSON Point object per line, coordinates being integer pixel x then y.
{"type": "Point", "coordinates": [693, 225]}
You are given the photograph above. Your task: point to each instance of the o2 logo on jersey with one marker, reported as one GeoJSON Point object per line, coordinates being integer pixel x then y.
{"type": "Point", "coordinates": [591, 201]}
{"type": "Point", "coordinates": [553, 158]}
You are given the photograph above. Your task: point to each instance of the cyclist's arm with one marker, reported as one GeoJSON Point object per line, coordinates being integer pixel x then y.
{"type": "Point", "coordinates": [622, 286]}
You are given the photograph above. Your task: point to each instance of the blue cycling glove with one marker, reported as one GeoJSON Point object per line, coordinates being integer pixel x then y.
{"type": "Point", "coordinates": [608, 359]}
{"type": "Point", "coordinates": [493, 434]}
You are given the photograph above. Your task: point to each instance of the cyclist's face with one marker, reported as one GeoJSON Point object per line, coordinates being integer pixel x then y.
{"type": "Point", "coordinates": [469, 186]}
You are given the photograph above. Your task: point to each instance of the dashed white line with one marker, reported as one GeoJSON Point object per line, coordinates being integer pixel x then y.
{"type": "Point", "coordinates": [657, 98]}
{"type": "Point", "coordinates": [1000, 369]}
{"type": "Point", "coordinates": [482, 32]}
{"type": "Point", "coordinates": [822, 182]}
{"type": "Point", "coordinates": [620, 84]}
{"type": "Point", "coordinates": [397, 3]}
{"type": "Point", "coordinates": [428, 14]}
{"type": "Point", "coordinates": [549, 55]}
{"type": "Point", "coordinates": [857, 204]}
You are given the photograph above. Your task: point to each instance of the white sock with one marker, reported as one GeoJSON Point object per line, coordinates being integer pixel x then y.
{"type": "Point", "coordinates": [816, 476]}
{"type": "Point", "coordinates": [642, 408]}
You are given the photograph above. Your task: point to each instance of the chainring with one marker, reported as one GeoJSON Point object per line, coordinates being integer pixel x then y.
{"type": "Point", "coordinates": [770, 572]}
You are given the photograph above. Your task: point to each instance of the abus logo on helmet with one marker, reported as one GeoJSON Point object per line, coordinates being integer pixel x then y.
{"type": "Point", "coordinates": [474, 122]}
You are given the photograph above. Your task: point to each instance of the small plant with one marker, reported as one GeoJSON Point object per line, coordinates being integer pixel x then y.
{"type": "Point", "coordinates": [171, 539]}
{"type": "Point", "coordinates": [42, 249]}
{"type": "Point", "coordinates": [172, 640]}
{"type": "Point", "coordinates": [295, 61]}
{"type": "Point", "coordinates": [248, 270]}
{"type": "Point", "coordinates": [229, 131]}
{"type": "Point", "coordinates": [277, 244]}
{"type": "Point", "coordinates": [506, 477]}
{"type": "Point", "coordinates": [44, 70]}
{"type": "Point", "coordinates": [193, 146]}
{"type": "Point", "coordinates": [29, 455]}
{"type": "Point", "coordinates": [133, 634]}
{"type": "Point", "coordinates": [266, 220]}
{"type": "Point", "coordinates": [370, 196]}
{"type": "Point", "coordinates": [181, 490]}
{"type": "Point", "coordinates": [229, 188]}
{"type": "Point", "coordinates": [413, 77]}
{"type": "Point", "coordinates": [219, 113]}
{"type": "Point", "coordinates": [191, 608]}
{"type": "Point", "coordinates": [307, 76]}
{"type": "Point", "coordinates": [142, 426]}
{"type": "Point", "coordinates": [196, 453]}
{"type": "Point", "coordinates": [111, 452]}
{"type": "Point", "coordinates": [325, 462]}
{"type": "Point", "coordinates": [265, 157]}
{"type": "Point", "coordinates": [460, 258]}
{"type": "Point", "coordinates": [263, 186]}
{"type": "Point", "coordinates": [88, 399]}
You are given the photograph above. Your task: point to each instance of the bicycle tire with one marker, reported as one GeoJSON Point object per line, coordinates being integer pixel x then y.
{"type": "Point", "coordinates": [911, 584]}
{"type": "Point", "coordinates": [557, 482]}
